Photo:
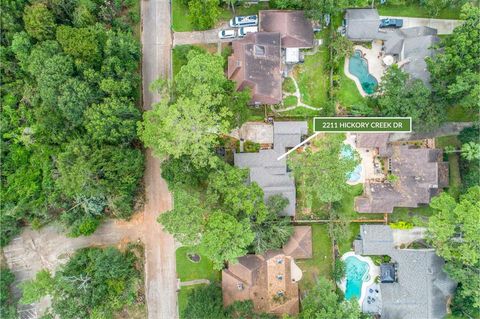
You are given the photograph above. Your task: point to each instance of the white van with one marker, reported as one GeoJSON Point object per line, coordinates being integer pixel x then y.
{"type": "Point", "coordinates": [244, 21]}
{"type": "Point", "coordinates": [243, 31]}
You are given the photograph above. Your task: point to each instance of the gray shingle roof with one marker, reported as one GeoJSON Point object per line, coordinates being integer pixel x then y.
{"type": "Point", "coordinates": [415, 50]}
{"type": "Point", "coordinates": [268, 172]}
{"type": "Point", "coordinates": [362, 24]}
{"type": "Point", "coordinates": [295, 29]}
{"type": "Point", "coordinates": [422, 288]}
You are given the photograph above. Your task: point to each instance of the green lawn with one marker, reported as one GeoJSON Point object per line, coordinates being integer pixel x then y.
{"type": "Point", "coordinates": [457, 113]}
{"type": "Point", "coordinates": [180, 20]}
{"type": "Point", "coordinates": [346, 246]}
{"type": "Point", "coordinates": [321, 263]}
{"type": "Point", "coordinates": [188, 270]}
{"type": "Point", "coordinates": [299, 113]}
{"type": "Point", "coordinates": [455, 181]}
{"type": "Point", "coordinates": [290, 101]}
{"type": "Point", "coordinates": [288, 85]}
{"type": "Point", "coordinates": [347, 92]}
{"type": "Point", "coordinates": [313, 80]}
{"type": "Point", "coordinates": [183, 298]}
{"type": "Point", "coordinates": [415, 10]}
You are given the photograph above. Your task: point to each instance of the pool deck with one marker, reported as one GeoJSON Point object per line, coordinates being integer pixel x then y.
{"type": "Point", "coordinates": [368, 158]}
{"type": "Point", "coordinates": [375, 64]}
{"type": "Point", "coordinates": [373, 271]}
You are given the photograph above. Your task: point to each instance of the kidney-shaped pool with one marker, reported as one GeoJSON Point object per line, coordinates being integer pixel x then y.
{"type": "Point", "coordinates": [356, 272]}
{"type": "Point", "coordinates": [358, 66]}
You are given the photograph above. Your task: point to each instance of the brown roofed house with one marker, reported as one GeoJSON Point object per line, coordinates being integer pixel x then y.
{"type": "Point", "coordinates": [296, 31]}
{"type": "Point", "coordinates": [269, 280]}
{"type": "Point", "coordinates": [421, 174]}
{"type": "Point", "coordinates": [256, 63]}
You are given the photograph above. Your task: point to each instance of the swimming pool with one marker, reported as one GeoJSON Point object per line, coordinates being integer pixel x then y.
{"type": "Point", "coordinates": [356, 272]}
{"type": "Point", "coordinates": [358, 66]}
{"type": "Point", "coordinates": [347, 152]}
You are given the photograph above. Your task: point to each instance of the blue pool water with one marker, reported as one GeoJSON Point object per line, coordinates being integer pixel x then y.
{"type": "Point", "coordinates": [354, 176]}
{"type": "Point", "coordinates": [358, 66]}
{"type": "Point", "coordinates": [356, 273]}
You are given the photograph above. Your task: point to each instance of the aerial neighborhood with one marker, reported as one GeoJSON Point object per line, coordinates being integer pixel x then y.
{"type": "Point", "coordinates": [164, 159]}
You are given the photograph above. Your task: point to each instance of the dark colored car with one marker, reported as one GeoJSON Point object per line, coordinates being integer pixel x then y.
{"type": "Point", "coordinates": [391, 23]}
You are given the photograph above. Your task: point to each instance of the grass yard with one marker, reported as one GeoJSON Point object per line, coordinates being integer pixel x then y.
{"type": "Point", "coordinates": [290, 101]}
{"type": "Point", "coordinates": [299, 113]}
{"type": "Point", "coordinates": [321, 263]}
{"type": "Point", "coordinates": [188, 270]}
{"type": "Point", "coordinates": [347, 92]}
{"type": "Point", "coordinates": [346, 246]}
{"type": "Point", "coordinates": [455, 181]}
{"type": "Point", "coordinates": [288, 85]}
{"type": "Point", "coordinates": [313, 79]}
{"type": "Point", "coordinates": [457, 113]}
{"type": "Point", "coordinates": [180, 19]}
{"type": "Point", "coordinates": [415, 10]}
{"type": "Point", "coordinates": [183, 298]}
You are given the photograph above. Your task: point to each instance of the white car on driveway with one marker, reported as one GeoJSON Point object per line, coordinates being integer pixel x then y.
{"type": "Point", "coordinates": [243, 31]}
{"type": "Point", "coordinates": [227, 34]}
{"type": "Point", "coordinates": [244, 21]}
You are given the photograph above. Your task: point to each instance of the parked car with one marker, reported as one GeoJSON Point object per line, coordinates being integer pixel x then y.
{"type": "Point", "coordinates": [227, 34]}
{"type": "Point", "coordinates": [391, 23]}
{"type": "Point", "coordinates": [244, 21]}
{"type": "Point", "coordinates": [243, 31]}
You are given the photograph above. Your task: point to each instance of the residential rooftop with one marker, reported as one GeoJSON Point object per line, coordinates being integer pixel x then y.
{"type": "Point", "coordinates": [269, 172]}
{"type": "Point", "coordinates": [296, 31]}
{"type": "Point", "coordinates": [270, 280]}
{"type": "Point", "coordinates": [256, 64]}
{"type": "Point", "coordinates": [421, 288]}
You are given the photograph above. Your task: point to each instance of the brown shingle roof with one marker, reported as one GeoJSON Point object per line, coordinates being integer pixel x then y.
{"type": "Point", "coordinates": [295, 29]}
{"type": "Point", "coordinates": [256, 63]}
{"type": "Point", "coordinates": [300, 244]}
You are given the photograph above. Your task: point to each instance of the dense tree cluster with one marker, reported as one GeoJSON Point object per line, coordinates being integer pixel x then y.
{"type": "Point", "coordinates": [95, 282]}
{"type": "Point", "coordinates": [7, 305]}
{"type": "Point", "coordinates": [205, 302]}
{"type": "Point", "coordinates": [321, 172]}
{"type": "Point", "coordinates": [322, 302]}
{"type": "Point", "coordinates": [470, 169]}
{"type": "Point", "coordinates": [455, 233]}
{"type": "Point", "coordinates": [69, 93]}
{"type": "Point", "coordinates": [399, 95]}
{"type": "Point", "coordinates": [454, 70]}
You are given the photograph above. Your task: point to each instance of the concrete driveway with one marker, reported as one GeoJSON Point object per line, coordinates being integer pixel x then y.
{"type": "Point", "coordinates": [444, 26]}
{"type": "Point", "coordinates": [198, 37]}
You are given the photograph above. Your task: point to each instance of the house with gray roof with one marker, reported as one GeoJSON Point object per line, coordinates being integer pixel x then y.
{"type": "Point", "coordinates": [421, 174]}
{"type": "Point", "coordinates": [416, 287]}
{"type": "Point", "coordinates": [409, 46]}
{"type": "Point", "coordinates": [270, 173]}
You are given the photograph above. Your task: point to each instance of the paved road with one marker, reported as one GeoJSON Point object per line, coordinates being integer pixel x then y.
{"type": "Point", "coordinates": [160, 275]}
{"type": "Point", "coordinates": [443, 26]}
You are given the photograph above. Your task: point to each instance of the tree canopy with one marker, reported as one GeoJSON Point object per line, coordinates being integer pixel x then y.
{"type": "Point", "coordinates": [322, 302]}
{"type": "Point", "coordinates": [96, 282]}
{"type": "Point", "coordinates": [321, 172]}
{"type": "Point", "coordinates": [69, 96]}
{"type": "Point", "coordinates": [454, 69]}
{"type": "Point", "coordinates": [455, 233]}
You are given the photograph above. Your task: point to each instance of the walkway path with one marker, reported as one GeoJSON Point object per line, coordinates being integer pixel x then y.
{"type": "Point", "coordinates": [299, 101]}
{"type": "Point", "coordinates": [194, 282]}
{"type": "Point", "coordinates": [443, 26]}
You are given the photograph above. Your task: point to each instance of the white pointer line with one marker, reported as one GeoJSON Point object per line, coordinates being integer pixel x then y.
{"type": "Point", "coordinates": [293, 149]}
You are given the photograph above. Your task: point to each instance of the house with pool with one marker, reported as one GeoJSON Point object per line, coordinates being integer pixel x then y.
{"type": "Point", "coordinates": [409, 284]}
{"type": "Point", "coordinates": [397, 173]}
{"type": "Point", "coordinates": [406, 47]}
